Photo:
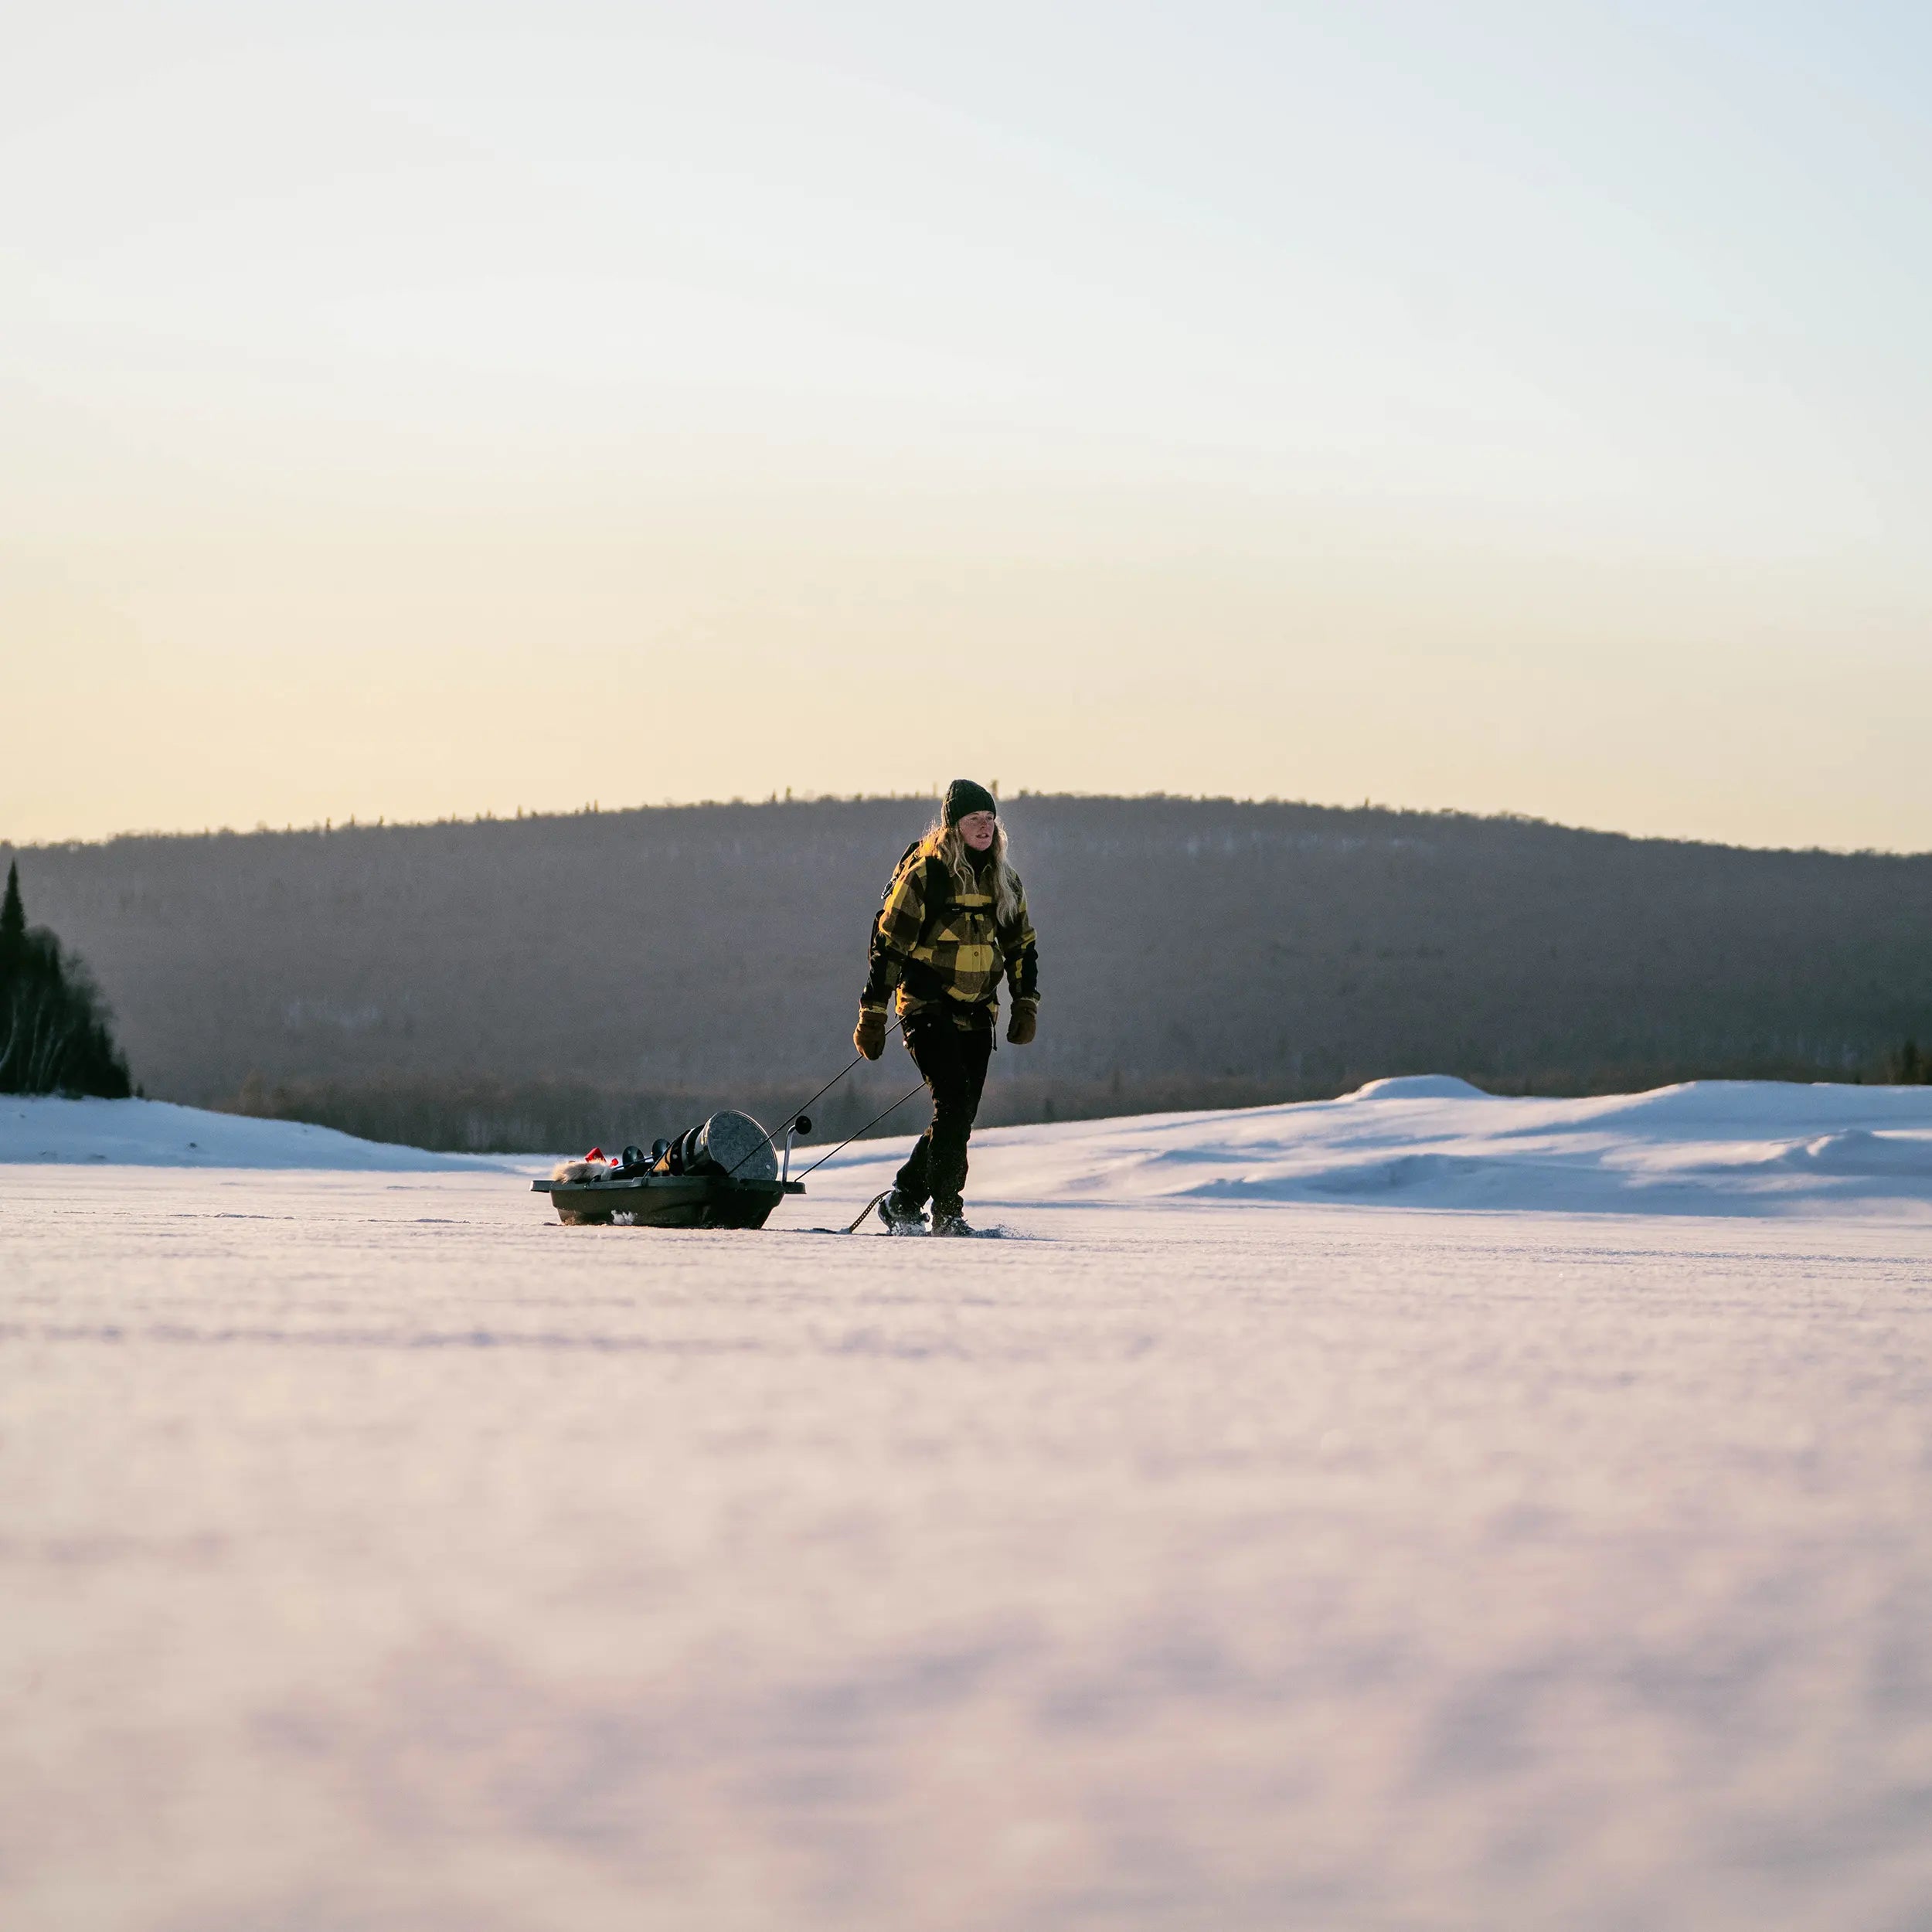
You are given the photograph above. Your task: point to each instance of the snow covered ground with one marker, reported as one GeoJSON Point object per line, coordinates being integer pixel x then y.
{"type": "Point", "coordinates": [1239, 1544]}
{"type": "Point", "coordinates": [1713, 1147]}
{"type": "Point", "coordinates": [157, 1133]}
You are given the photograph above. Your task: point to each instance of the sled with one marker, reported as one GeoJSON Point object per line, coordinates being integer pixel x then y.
{"type": "Point", "coordinates": [723, 1174]}
{"type": "Point", "coordinates": [667, 1201]}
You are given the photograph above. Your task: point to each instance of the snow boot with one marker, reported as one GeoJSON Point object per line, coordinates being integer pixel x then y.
{"type": "Point", "coordinates": [955, 1224]}
{"type": "Point", "coordinates": [900, 1215]}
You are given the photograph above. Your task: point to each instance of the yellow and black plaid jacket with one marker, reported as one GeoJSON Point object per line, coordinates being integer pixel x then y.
{"type": "Point", "coordinates": [934, 943]}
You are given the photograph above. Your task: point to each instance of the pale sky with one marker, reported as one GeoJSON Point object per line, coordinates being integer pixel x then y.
{"type": "Point", "coordinates": [413, 410]}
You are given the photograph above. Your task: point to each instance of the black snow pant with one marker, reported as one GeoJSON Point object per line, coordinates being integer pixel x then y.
{"type": "Point", "coordinates": [954, 1059]}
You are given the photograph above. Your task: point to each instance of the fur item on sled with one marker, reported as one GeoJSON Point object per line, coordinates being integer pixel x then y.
{"type": "Point", "coordinates": [578, 1171]}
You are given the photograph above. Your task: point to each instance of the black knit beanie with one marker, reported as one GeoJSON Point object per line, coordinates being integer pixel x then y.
{"type": "Point", "coordinates": [963, 798]}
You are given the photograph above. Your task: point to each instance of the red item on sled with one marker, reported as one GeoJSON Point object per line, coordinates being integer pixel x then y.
{"type": "Point", "coordinates": [596, 1154]}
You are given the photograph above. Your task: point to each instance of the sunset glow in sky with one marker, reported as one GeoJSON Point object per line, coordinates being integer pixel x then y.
{"type": "Point", "coordinates": [417, 410]}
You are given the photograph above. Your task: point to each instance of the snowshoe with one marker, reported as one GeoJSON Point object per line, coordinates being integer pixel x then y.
{"type": "Point", "coordinates": [900, 1215]}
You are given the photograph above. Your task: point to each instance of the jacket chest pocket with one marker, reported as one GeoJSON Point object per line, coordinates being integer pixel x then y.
{"type": "Point", "coordinates": [966, 920]}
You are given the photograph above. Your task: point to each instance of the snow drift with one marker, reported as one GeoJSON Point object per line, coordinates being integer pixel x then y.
{"type": "Point", "coordinates": [1709, 1147]}
{"type": "Point", "coordinates": [157, 1133]}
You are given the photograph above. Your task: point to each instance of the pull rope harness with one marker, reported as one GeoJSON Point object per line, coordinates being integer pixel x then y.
{"type": "Point", "coordinates": [770, 1139]}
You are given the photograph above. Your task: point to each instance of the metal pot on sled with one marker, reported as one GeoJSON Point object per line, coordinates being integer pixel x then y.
{"type": "Point", "coordinates": [728, 1143]}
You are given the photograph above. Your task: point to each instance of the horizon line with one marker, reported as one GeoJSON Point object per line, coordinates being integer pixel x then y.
{"type": "Point", "coordinates": [327, 827]}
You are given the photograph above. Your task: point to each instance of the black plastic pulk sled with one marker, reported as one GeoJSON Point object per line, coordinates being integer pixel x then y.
{"type": "Point", "coordinates": [723, 1174]}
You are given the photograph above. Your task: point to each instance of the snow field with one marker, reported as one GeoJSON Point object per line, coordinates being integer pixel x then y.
{"type": "Point", "coordinates": [46, 1130]}
{"type": "Point", "coordinates": [1713, 1147]}
{"type": "Point", "coordinates": [379, 1553]}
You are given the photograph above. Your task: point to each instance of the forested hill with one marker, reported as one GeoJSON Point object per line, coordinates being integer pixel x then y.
{"type": "Point", "coordinates": [504, 980]}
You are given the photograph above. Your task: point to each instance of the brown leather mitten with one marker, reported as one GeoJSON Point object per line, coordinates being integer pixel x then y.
{"type": "Point", "coordinates": [869, 1034]}
{"type": "Point", "coordinates": [1022, 1027]}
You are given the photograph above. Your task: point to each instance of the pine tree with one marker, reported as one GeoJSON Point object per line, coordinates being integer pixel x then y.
{"type": "Point", "coordinates": [13, 921]}
{"type": "Point", "coordinates": [55, 1037]}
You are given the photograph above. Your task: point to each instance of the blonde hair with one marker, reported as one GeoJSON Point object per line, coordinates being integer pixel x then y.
{"type": "Point", "coordinates": [943, 842]}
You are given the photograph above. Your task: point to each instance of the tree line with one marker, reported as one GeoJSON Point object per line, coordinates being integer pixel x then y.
{"type": "Point", "coordinates": [552, 981]}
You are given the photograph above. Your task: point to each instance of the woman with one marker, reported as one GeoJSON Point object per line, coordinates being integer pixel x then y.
{"type": "Point", "coordinates": [952, 922]}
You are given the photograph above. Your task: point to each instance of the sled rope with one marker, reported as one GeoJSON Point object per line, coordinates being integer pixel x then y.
{"type": "Point", "coordinates": [769, 1141]}
{"type": "Point", "coordinates": [867, 1208]}
{"type": "Point", "coordinates": [866, 1129]}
